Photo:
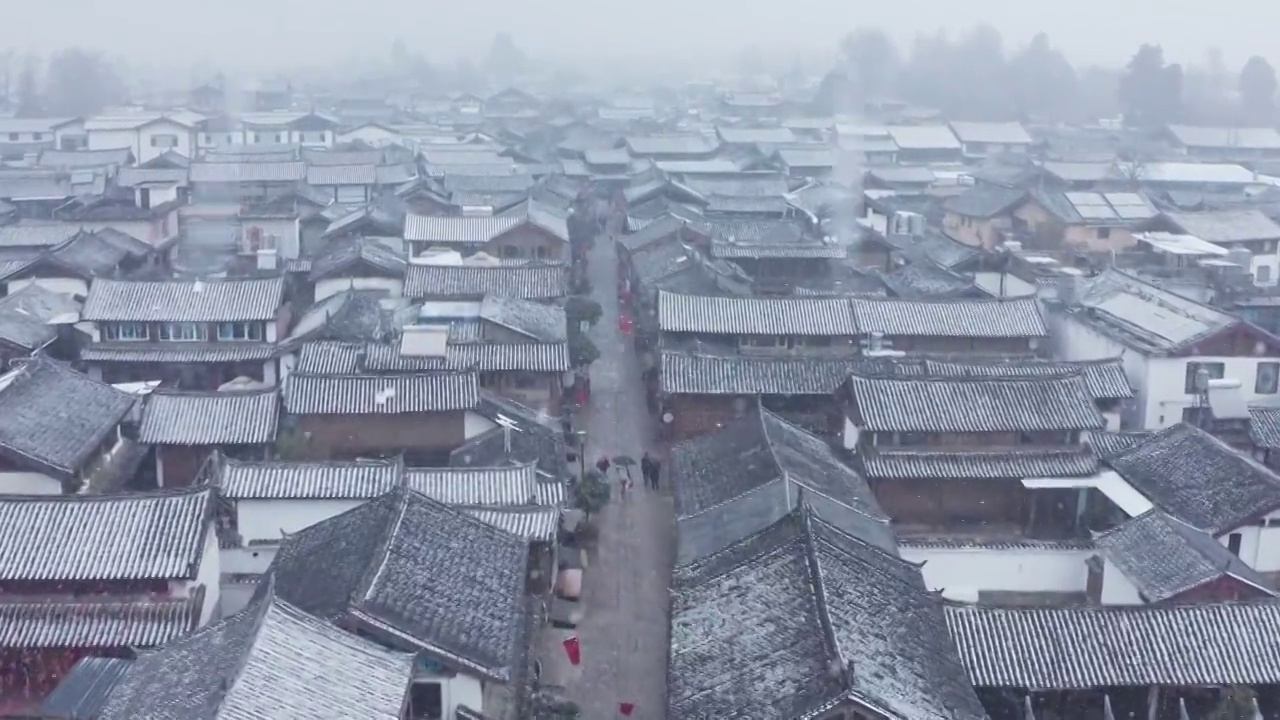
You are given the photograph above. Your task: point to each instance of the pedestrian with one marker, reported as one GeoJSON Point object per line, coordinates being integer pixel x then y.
{"type": "Point", "coordinates": [657, 472]}
{"type": "Point", "coordinates": [646, 469]}
{"type": "Point", "coordinates": [603, 465]}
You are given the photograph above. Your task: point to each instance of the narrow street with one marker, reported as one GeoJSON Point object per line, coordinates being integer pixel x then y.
{"type": "Point", "coordinates": [624, 631]}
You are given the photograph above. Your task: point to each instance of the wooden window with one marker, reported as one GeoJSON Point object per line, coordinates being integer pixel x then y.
{"type": "Point", "coordinates": [1267, 375]}
{"type": "Point", "coordinates": [183, 332]}
{"type": "Point", "coordinates": [126, 331]}
{"type": "Point", "coordinates": [240, 331]}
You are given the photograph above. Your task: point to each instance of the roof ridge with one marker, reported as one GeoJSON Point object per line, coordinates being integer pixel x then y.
{"type": "Point", "coordinates": [839, 663]}
{"type": "Point", "coordinates": [105, 497]}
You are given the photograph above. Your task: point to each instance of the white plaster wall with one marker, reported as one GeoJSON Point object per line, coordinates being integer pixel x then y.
{"type": "Point", "coordinates": [209, 575]}
{"type": "Point", "coordinates": [264, 520]}
{"type": "Point", "coordinates": [474, 424]}
{"type": "Point", "coordinates": [235, 596]}
{"type": "Point", "coordinates": [28, 483]}
{"type": "Point", "coordinates": [1165, 391]}
{"type": "Point", "coordinates": [1271, 262]}
{"type": "Point", "coordinates": [145, 151]}
{"type": "Point", "coordinates": [967, 571]}
{"type": "Point", "coordinates": [332, 286]}
{"type": "Point", "coordinates": [373, 135]}
{"type": "Point", "coordinates": [454, 691]}
{"type": "Point", "coordinates": [1116, 588]}
{"type": "Point", "coordinates": [252, 560]}
{"type": "Point", "coordinates": [114, 140]}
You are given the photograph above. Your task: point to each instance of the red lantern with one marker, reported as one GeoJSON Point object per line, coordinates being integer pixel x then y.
{"type": "Point", "coordinates": [573, 649]}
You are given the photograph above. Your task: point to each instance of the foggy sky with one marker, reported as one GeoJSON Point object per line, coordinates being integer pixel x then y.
{"type": "Point", "coordinates": [270, 33]}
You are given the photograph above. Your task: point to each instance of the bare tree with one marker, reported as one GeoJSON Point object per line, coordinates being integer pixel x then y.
{"type": "Point", "coordinates": [82, 82]}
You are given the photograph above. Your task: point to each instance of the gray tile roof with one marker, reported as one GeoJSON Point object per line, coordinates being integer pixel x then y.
{"type": "Point", "coordinates": [977, 464]}
{"type": "Point", "coordinates": [357, 174]}
{"type": "Point", "coordinates": [1164, 557]}
{"type": "Point", "coordinates": [1264, 427]}
{"type": "Point", "coordinates": [538, 524]}
{"type": "Point", "coordinates": [453, 229]}
{"type": "Point", "coordinates": [330, 357]}
{"type": "Point", "coordinates": [379, 395]}
{"type": "Point", "coordinates": [925, 281]}
{"type": "Point", "coordinates": [672, 144]}
{"type": "Point", "coordinates": [1242, 225]}
{"type": "Point", "coordinates": [53, 419]}
{"type": "Point", "coordinates": [761, 449]}
{"type": "Point", "coordinates": [1111, 443]}
{"type": "Point", "coordinates": [289, 480]}
{"type": "Point", "coordinates": [965, 405]}
{"type": "Point", "coordinates": [985, 202]}
{"type": "Point", "coordinates": [1007, 318]}
{"type": "Point", "coordinates": [1198, 479]}
{"type": "Point", "coordinates": [757, 628]}
{"type": "Point", "coordinates": [247, 172]}
{"type": "Point", "coordinates": [691, 373]}
{"type": "Point", "coordinates": [1144, 317]}
{"type": "Point", "coordinates": [210, 418]}
{"type": "Point", "coordinates": [999, 133]}
{"type": "Point", "coordinates": [143, 536]}
{"type": "Point", "coordinates": [1082, 647]}
{"type": "Point", "coordinates": [528, 357]}
{"type": "Point", "coordinates": [755, 316]}
{"type": "Point", "coordinates": [35, 234]}
{"type": "Point", "coordinates": [1104, 379]}
{"type": "Point", "coordinates": [27, 316]}
{"type": "Point", "coordinates": [270, 660]}
{"type": "Point", "coordinates": [81, 692]}
{"type": "Point", "coordinates": [439, 579]}
{"type": "Point", "coordinates": [134, 176]}
{"type": "Point", "coordinates": [344, 258]}
{"type": "Point", "coordinates": [530, 282]}
{"type": "Point", "coordinates": [663, 227]}
{"type": "Point", "coordinates": [96, 622]}
{"type": "Point", "coordinates": [542, 323]}
{"type": "Point", "coordinates": [175, 301]}
{"type": "Point", "coordinates": [220, 352]}
{"type": "Point", "coordinates": [496, 486]}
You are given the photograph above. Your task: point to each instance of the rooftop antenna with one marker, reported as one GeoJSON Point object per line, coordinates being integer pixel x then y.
{"type": "Point", "coordinates": [507, 426]}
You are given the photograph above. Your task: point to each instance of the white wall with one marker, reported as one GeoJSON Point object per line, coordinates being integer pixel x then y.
{"type": "Point", "coordinates": [1116, 588]}
{"type": "Point", "coordinates": [454, 691]}
{"type": "Point", "coordinates": [963, 572]}
{"type": "Point", "coordinates": [474, 424]}
{"type": "Point", "coordinates": [264, 520]}
{"type": "Point", "coordinates": [28, 483]}
{"type": "Point", "coordinates": [144, 150]}
{"type": "Point", "coordinates": [209, 576]}
{"type": "Point", "coordinates": [1166, 393]}
{"type": "Point", "coordinates": [114, 140]}
{"type": "Point", "coordinates": [373, 135]}
{"type": "Point", "coordinates": [332, 286]}
{"type": "Point", "coordinates": [972, 570]}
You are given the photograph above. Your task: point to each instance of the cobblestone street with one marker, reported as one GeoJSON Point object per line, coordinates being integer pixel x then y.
{"type": "Point", "coordinates": [624, 631]}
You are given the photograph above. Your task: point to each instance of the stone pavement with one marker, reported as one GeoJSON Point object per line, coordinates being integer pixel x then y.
{"type": "Point", "coordinates": [624, 631]}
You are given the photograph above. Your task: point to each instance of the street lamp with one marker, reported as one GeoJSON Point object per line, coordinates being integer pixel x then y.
{"type": "Point", "coordinates": [582, 453]}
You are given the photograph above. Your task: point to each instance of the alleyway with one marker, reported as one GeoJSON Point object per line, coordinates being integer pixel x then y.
{"type": "Point", "coordinates": [624, 632]}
